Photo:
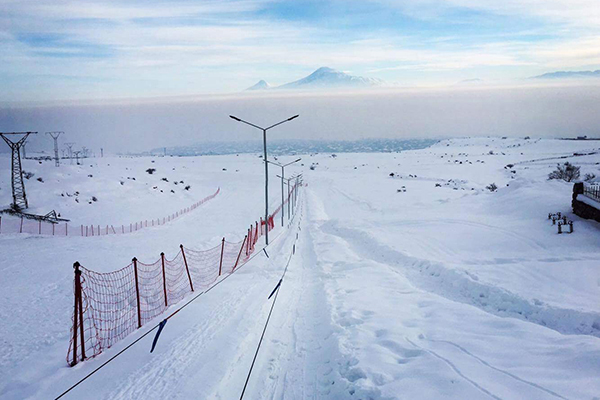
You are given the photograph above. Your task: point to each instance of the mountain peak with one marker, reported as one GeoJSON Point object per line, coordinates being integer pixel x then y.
{"type": "Point", "coordinates": [260, 85]}
{"type": "Point", "coordinates": [324, 78]}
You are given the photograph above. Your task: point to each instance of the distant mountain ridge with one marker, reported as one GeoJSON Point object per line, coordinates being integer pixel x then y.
{"type": "Point", "coordinates": [322, 78]}
{"type": "Point", "coordinates": [569, 74]}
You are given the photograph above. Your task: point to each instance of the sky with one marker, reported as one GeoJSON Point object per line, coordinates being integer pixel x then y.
{"type": "Point", "coordinates": [61, 50]}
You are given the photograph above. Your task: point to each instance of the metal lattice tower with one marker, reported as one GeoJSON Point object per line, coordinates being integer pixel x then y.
{"type": "Point", "coordinates": [18, 187]}
{"type": "Point", "coordinates": [55, 136]}
{"type": "Point", "coordinates": [70, 148]}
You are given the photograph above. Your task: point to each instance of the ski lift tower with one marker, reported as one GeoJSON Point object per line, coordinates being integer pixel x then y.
{"type": "Point", "coordinates": [55, 136]}
{"type": "Point", "coordinates": [18, 187]}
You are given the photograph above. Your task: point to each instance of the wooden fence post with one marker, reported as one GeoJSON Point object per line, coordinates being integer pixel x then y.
{"type": "Point", "coordinates": [78, 316]}
{"type": "Point", "coordinates": [221, 262]}
{"type": "Point", "coordinates": [247, 242]}
{"type": "Point", "coordinates": [186, 267]}
{"type": "Point", "coordinates": [240, 253]}
{"type": "Point", "coordinates": [162, 258]}
{"type": "Point", "coordinates": [137, 292]}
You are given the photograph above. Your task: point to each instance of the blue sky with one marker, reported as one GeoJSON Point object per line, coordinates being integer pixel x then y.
{"type": "Point", "coordinates": [65, 50]}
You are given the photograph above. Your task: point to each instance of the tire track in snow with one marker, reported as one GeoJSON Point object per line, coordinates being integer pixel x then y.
{"type": "Point", "coordinates": [515, 377]}
{"type": "Point", "coordinates": [455, 369]}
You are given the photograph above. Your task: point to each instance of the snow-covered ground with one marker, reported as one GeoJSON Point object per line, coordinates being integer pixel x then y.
{"type": "Point", "coordinates": [419, 285]}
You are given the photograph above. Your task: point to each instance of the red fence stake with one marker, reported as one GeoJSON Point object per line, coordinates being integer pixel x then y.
{"type": "Point", "coordinates": [137, 292]}
{"type": "Point", "coordinates": [186, 267]}
{"type": "Point", "coordinates": [240, 253]}
{"type": "Point", "coordinates": [162, 258]}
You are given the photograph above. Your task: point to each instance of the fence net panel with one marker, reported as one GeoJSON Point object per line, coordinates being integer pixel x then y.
{"type": "Point", "coordinates": [115, 304]}
{"type": "Point", "coordinates": [44, 227]}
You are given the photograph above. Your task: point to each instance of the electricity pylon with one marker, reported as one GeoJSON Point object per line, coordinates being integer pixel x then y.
{"type": "Point", "coordinates": [18, 187]}
{"type": "Point", "coordinates": [70, 148]}
{"type": "Point", "coordinates": [77, 155]}
{"type": "Point", "coordinates": [55, 136]}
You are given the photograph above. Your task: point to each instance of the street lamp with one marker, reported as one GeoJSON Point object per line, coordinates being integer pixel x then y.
{"type": "Point", "coordinates": [282, 178]}
{"type": "Point", "coordinates": [291, 196]}
{"type": "Point", "coordinates": [266, 165]}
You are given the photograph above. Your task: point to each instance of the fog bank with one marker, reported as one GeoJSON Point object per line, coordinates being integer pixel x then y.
{"type": "Point", "coordinates": [553, 111]}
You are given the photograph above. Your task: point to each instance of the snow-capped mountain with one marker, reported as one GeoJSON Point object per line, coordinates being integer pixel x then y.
{"type": "Point", "coordinates": [322, 78]}
{"type": "Point", "coordinates": [261, 85]}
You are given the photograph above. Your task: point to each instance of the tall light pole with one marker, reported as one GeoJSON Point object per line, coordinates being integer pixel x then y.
{"type": "Point", "coordinates": [282, 178]}
{"type": "Point", "coordinates": [290, 193]}
{"type": "Point", "coordinates": [266, 165]}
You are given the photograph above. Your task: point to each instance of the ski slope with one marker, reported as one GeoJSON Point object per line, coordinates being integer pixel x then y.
{"type": "Point", "coordinates": [419, 285]}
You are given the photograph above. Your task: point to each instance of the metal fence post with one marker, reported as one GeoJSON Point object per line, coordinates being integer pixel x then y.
{"type": "Point", "coordinates": [137, 292]}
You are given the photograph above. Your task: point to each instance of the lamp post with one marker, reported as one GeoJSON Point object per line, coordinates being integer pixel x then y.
{"type": "Point", "coordinates": [291, 198]}
{"type": "Point", "coordinates": [266, 164]}
{"type": "Point", "coordinates": [282, 178]}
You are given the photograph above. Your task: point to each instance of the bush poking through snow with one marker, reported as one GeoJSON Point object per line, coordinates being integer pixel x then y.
{"type": "Point", "coordinates": [94, 198]}
{"type": "Point", "coordinates": [151, 170]}
{"type": "Point", "coordinates": [492, 187]}
{"type": "Point", "coordinates": [188, 187]}
{"type": "Point", "coordinates": [28, 175]}
{"type": "Point", "coordinates": [40, 179]}
{"type": "Point", "coordinates": [165, 179]}
{"type": "Point", "coordinates": [567, 172]}
{"type": "Point", "coordinates": [589, 177]}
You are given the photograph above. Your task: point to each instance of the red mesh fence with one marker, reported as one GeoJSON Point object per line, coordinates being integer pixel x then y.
{"type": "Point", "coordinates": [110, 306]}
{"type": "Point", "coordinates": [39, 227]}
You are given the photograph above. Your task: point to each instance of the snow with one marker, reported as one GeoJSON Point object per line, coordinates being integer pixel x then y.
{"type": "Point", "coordinates": [419, 285]}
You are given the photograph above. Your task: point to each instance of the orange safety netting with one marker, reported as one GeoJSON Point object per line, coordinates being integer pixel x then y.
{"type": "Point", "coordinates": [110, 306]}
{"type": "Point", "coordinates": [42, 227]}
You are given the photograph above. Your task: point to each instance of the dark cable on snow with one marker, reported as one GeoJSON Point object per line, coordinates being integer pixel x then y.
{"type": "Point", "coordinates": [276, 292]}
{"type": "Point", "coordinates": [158, 325]}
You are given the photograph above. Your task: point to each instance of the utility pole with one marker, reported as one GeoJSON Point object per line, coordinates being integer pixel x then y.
{"type": "Point", "coordinates": [264, 130]}
{"type": "Point", "coordinates": [282, 178]}
{"type": "Point", "coordinates": [55, 136]}
{"type": "Point", "coordinates": [77, 155]}
{"type": "Point", "coordinates": [18, 187]}
{"type": "Point", "coordinates": [70, 148]}
{"type": "Point", "coordinates": [101, 152]}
